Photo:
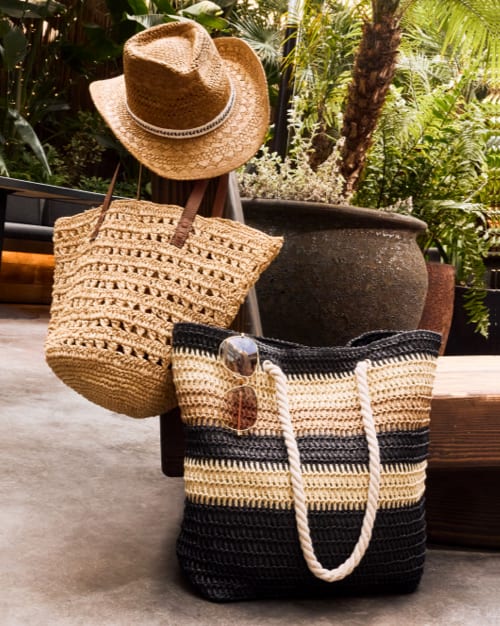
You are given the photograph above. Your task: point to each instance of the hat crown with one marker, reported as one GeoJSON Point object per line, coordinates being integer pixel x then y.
{"type": "Point", "coordinates": [174, 77]}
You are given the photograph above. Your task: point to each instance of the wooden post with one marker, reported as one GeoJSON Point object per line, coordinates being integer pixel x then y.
{"type": "Point", "coordinates": [166, 191]}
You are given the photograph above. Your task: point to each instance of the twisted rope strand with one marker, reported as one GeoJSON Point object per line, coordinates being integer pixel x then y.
{"type": "Point", "coordinates": [300, 506]}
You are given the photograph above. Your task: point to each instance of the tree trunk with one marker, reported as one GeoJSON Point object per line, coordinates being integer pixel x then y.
{"type": "Point", "coordinates": [373, 72]}
{"type": "Point", "coordinates": [321, 142]}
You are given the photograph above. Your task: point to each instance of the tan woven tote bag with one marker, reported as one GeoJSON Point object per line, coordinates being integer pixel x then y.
{"type": "Point", "coordinates": [125, 273]}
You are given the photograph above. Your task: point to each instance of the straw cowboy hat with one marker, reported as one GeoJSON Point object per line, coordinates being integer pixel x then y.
{"type": "Point", "coordinates": [186, 106]}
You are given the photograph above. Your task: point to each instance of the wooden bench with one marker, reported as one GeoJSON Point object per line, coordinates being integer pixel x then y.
{"type": "Point", "coordinates": [463, 488]}
{"type": "Point", "coordinates": [463, 485]}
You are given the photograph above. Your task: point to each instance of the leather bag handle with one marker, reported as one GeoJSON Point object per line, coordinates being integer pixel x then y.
{"type": "Point", "coordinates": [193, 204]}
{"type": "Point", "coordinates": [191, 209]}
{"type": "Point", "coordinates": [105, 205]}
{"type": "Point", "coordinates": [189, 213]}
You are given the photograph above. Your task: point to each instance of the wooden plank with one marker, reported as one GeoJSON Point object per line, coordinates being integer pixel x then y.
{"type": "Point", "coordinates": [465, 413]}
{"type": "Point", "coordinates": [463, 507]}
{"type": "Point", "coordinates": [466, 376]}
{"type": "Point", "coordinates": [26, 278]}
{"type": "Point", "coordinates": [462, 501]}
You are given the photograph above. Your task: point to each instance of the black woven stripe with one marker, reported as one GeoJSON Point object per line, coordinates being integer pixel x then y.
{"type": "Point", "coordinates": [243, 553]}
{"type": "Point", "coordinates": [218, 443]}
{"type": "Point", "coordinates": [297, 359]}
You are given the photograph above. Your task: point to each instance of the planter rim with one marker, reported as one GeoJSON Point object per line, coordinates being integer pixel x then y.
{"type": "Point", "coordinates": [365, 216]}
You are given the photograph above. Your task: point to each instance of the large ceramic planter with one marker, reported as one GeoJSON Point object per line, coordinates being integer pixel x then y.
{"type": "Point", "coordinates": [342, 271]}
{"type": "Point", "coordinates": [438, 308]}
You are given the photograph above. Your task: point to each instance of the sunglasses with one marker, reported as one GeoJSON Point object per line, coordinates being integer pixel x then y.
{"type": "Point", "coordinates": [240, 355]}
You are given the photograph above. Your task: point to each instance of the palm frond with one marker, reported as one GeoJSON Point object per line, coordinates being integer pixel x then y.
{"type": "Point", "coordinates": [322, 62]}
{"type": "Point", "coordinates": [418, 74]}
{"type": "Point", "coordinates": [470, 28]}
{"type": "Point", "coordinates": [265, 40]}
{"type": "Point", "coordinates": [432, 148]}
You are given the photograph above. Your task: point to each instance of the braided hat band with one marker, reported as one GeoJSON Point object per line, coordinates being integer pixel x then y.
{"type": "Point", "coordinates": [172, 133]}
{"type": "Point", "coordinates": [186, 106]}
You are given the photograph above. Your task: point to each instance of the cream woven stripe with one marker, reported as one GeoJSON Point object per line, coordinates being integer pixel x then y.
{"type": "Point", "coordinates": [341, 487]}
{"type": "Point", "coordinates": [400, 393]}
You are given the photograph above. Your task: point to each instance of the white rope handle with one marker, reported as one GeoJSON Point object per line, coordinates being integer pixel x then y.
{"type": "Point", "coordinates": [348, 566]}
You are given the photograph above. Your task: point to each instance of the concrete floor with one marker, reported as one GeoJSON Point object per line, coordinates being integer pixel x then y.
{"type": "Point", "coordinates": [88, 522]}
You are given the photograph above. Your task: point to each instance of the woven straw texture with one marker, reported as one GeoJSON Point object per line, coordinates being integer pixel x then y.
{"type": "Point", "coordinates": [166, 59]}
{"type": "Point", "coordinates": [238, 537]}
{"type": "Point", "coordinates": [115, 299]}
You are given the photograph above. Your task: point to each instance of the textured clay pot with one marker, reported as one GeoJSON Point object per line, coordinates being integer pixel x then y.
{"type": "Point", "coordinates": [438, 308]}
{"type": "Point", "coordinates": [342, 271]}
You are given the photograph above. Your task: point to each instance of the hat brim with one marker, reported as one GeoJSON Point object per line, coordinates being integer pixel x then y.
{"type": "Point", "coordinates": [219, 151]}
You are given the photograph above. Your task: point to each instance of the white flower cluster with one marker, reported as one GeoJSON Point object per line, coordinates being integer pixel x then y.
{"type": "Point", "coordinates": [269, 176]}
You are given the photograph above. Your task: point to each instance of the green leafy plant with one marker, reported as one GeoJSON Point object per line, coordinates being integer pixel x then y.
{"type": "Point", "coordinates": [467, 29]}
{"type": "Point", "coordinates": [25, 30]}
{"type": "Point", "coordinates": [46, 134]}
{"type": "Point", "coordinates": [322, 61]}
{"type": "Point", "coordinates": [261, 26]}
{"type": "Point", "coordinates": [207, 13]}
{"type": "Point", "coordinates": [383, 88]}
{"type": "Point", "coordinates": [430, 150]}
{"type": "Point", "coordinates": [269, 176]}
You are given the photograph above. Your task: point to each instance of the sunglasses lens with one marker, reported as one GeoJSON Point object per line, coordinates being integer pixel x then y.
{"type": "Point", "coordinates": [241, 408]}
{"type": "Point", "coordinates": [240, 355]}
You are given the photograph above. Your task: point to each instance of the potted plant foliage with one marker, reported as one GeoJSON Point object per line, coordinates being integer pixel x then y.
{"type": "Point", "coordinates": [24, 100]}
{"type": "Point", "coordinates": [342, 268]}
{"type": "Point", "coordinates": [355, 77]}
{"type": "Point", "coordinates": [463, 339]}
{"type": "Point", "coordinates": [431, 146]}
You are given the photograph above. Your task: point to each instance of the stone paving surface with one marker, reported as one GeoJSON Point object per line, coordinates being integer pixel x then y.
{"type": "Point", "coordinates": [88, 522]}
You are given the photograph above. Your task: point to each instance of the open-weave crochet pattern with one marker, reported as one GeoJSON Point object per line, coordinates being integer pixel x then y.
{"type": "Point", "coordinates": [115, 299]}
{"type": "Point", "coordinates": [239, 537]}
{"type": "Point", "coordinates": [175, 98]}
